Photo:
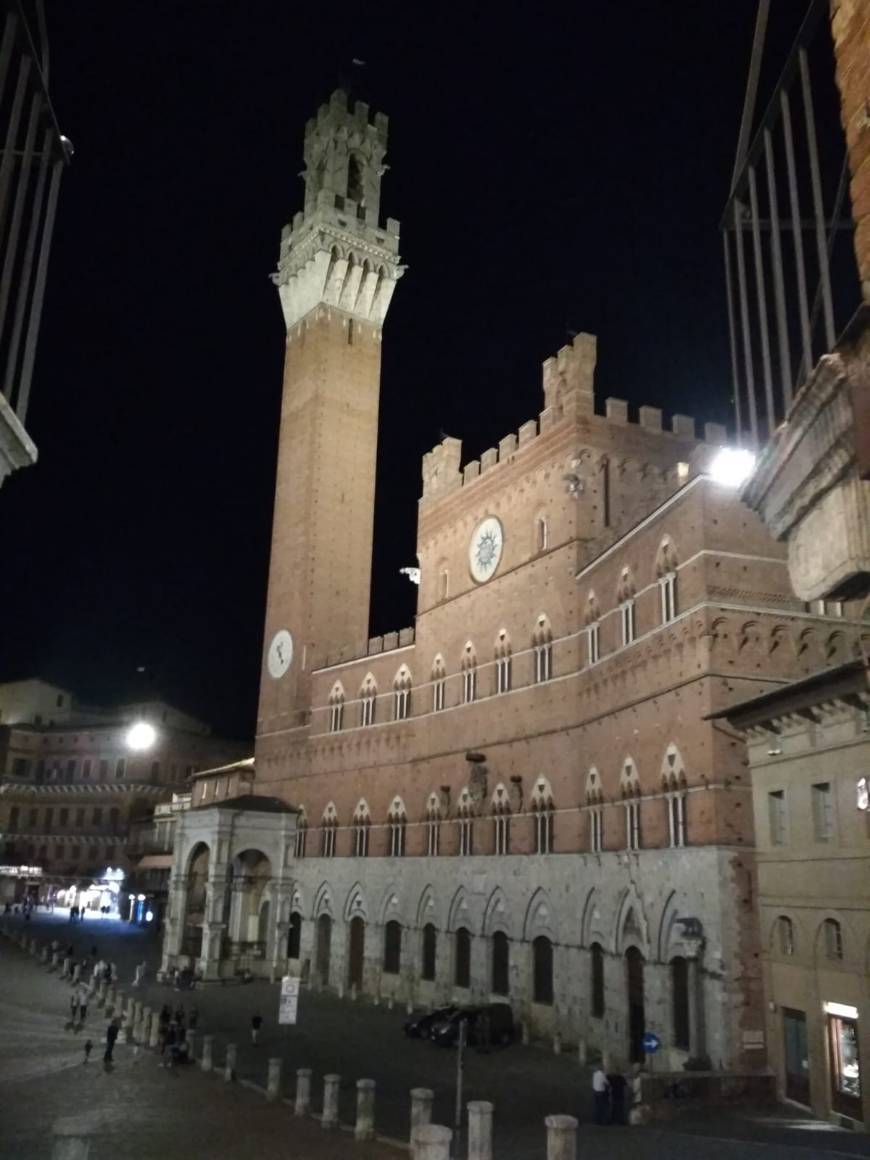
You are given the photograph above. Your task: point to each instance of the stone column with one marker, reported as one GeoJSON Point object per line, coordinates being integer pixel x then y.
{"type": "Point", "coordinates": [479, 1130]}
{"type": "Point", "coordinates": [561, 1138]}
{"type": "Point", "coordinates": [206, 1062]}
{"type": "Point", "coordinates": [230, 1062]}
{"type": "Point", "coordinates": [190, 1040]}
{"type": "Point", "coordinates": [273, 1083]}
{"type": "Point", "coordinates": [431, 1142]}
{"type": "Point", "coordinates": [210, 959]}
{"type": "Point", "coordinates": [303, 1091]}
{"type": "Point", "coordinates": [331, 1084]}
{"type": "Point", "coordinates": [421, 1107]}
{"type": "Point", "coordinates": [154, 1038]}
{"type": "Point", "coordinates": [174, 935]}
{"type": "Point", "coordinates": [365, 1110]}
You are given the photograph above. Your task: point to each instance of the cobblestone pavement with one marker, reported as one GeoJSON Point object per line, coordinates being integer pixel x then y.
{"type": "Point", "coordinates": [359, 1040]}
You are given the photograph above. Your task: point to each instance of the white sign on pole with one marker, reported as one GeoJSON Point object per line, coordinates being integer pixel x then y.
{"type": "Point", "coordinates": [289, 1002]}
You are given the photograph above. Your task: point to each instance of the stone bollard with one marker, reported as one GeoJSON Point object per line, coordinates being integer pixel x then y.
{"type": "Point", "coordinates": [303, 1091]}
{"type": "Point", "coordinates": [190, 1040]}
{"type": "Point", "coordinates": [329, 1118]}
{"type": "Point", "coordinates": [70, 1148]}
{"type": "Point", "coordinates": [421, 1107]}
{"type": "Point", "coordinates": [230, 1062]}
{"type": "Point", "coordinates": [147, 1016]}
{"type": "Point", "coordinates": [561, 1137]}
{"type": "Point", "coordinates": [55, 960]}
{"type": "Point", "coordinates": [431, 1142]}
{"type": "Point", "coordinates": [479, 1130]}
{"type": "Point", "coordinates": [111, 1000]}
{"type": "Point", "coordinates": [273, 1082]}
{"type": "Point", "coordinates": [43, 954]}
{"type": "Point", "coordinates": [33, 947]}
{"type": "Point", "coordinates": [77, 973]}
{"type": "Point", "coordinates": [206, 1062]}
{"type": "Point", "coordinates": [154, 1035]}
{"type": "Point", "coordinates": [365, 1110]}
{"type": "Point", "coordinates": [557, 1043]}
{"type": "Point", "coordinates": [389, 1002]}
{"type": "Point", "coordinates": [409, 1007]}
{"type": "Point", "coordinates": [339, 991]}
{"type": "Point", "coordinates": [526, 1034]}
{"type": "Point", "coordinates": [582, 1052]}
{"type": "Point", "coordinates": [101, 993]}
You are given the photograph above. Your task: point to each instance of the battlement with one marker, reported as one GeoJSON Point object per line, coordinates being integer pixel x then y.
{"type": "Point", "coordinates": [568, 391]}
{"type": "Point", "coordinates": [376, 645]}
{"type": "Point", "coordinates": [336, 111]}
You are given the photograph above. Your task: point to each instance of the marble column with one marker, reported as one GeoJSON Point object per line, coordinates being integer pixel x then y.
{"type": "Point", "coordinates": [303, 1091]}
{"type": "Point", "coordinates": [365, 1109]}
{"type": "Point", "coordinates": [331, 1084]}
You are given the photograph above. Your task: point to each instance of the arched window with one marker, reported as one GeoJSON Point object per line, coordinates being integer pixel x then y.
{"type": "Point", "coordinates": [674, 787]}
{"type": "Point", "coordinates": [501, 816]}
{"type": "Point", "coordinates": [402, 694]}
{"type": "Point", "coordinates": [542, 534]}
{"type": "Point", "coordinates": [301, 837]}
{"type": "Point", "coordinates": [543, 813]}
{"type": "Point", "coordinates": [542, 953]}
{"type": "Point", "coordinates": [593, 636]}
{"type": "Point", "coordinates": [666, 576]}
{"type": "Point", "coordinates": [397, 826]}
{"type": "Point", "coordinates": [503, 663]}
{"type": "Point", "coordinates": [625, 598]}
{"type": "Point", "coordinates": [294, 935]}
{"type": "Point", "coordinates": [328, 827]}
{"type": "Point", "coordinates": [336, 707]}
{"type": "Point", "coordinates": [361, 826]}
{"type": "Point", "coordinates": [785, 935]}
{"type": "Point", "coordinates": [368, 697]}
{"type": "Point", "coordinates": [443, 584]}
{"type": "Point", "coordinates": [465, 809]}
{"type": "Point", "coordinates": [469, 674]}
{"type": "Point", "coordinates": [680, 1002]}
{"type": "Point", "coordinates": [392, 947]}
{"type": "Point", "coordinates": [832, 934]}
{"type": "Point", "coordinates": [433, 826]}
{"type": "Point", "coordinates": [595, 811]}
{"type": "Point", "coordinates": [629, 784]}
{"type": "Point", "coordinates": [354, 180]}
{"type": "Point", "coordinates": [430, 948]}
{"type": "Point", "coordinates": [542, 644]}
{"type": "Point", "coordinates": [596, 979]}
{"type": "Point", "coordinates": [439, 684]}
{"type": "Point", "coordinates": [500, 982]}
{"type": "Point", "coordinates": [462, 961]}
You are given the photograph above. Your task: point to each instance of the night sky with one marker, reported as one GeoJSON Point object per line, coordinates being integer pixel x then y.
{"type": "Point", "coordinates": [554, 168]}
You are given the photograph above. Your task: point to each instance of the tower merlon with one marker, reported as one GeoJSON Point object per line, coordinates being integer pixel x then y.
{"type": "Point", "coordinates": [571, 373]}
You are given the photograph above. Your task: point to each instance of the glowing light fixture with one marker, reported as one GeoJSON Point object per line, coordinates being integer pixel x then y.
{"type": "Point", "coordinates": [732, 466]}
{"type": "Point", "coordinates": [141, 736]}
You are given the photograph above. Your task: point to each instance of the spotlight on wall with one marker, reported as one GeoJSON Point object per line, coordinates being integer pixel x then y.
{"type": "Point", "coordinates": [775, 747]}
{"type": "Point", "coordinates": [732, 466]}
{"type": "Point", "coordinates": [140, 736]}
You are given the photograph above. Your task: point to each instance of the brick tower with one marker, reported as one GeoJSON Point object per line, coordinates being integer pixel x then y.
{"type": "Point", "coordinates": [336, 274]}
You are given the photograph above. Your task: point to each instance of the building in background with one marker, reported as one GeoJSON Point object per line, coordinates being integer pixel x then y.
{"type": "Point", "coordinates": [34, 155]}
{"type": "Point", "coordinates": [809, 756]}
{"type": "Point", "coordinates": [518, 798]}
{"type": "Point", "coordinates": [73, 781]}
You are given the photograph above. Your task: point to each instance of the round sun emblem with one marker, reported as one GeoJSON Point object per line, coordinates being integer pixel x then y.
{"type": "Point", "coordinates": [484, 552]}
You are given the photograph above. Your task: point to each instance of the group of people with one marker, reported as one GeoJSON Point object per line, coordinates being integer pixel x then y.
{"type": "Point", "coordinates": [172, 1034]}
{"type": "Point", "coordinates": [609, 1091]}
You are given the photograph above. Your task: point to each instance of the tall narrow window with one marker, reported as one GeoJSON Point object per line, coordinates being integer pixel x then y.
{"type": "Point", "coordinates": [776, 815]}
{"type": "Point", "coordinates": [392, 947]}
{"type": "Point", "coordinates": [397, 828]}
{"type": "Point", "coordinates": [542, 956]}
{"type": "Point", "coordinates": [430, 948]}
{"type": "Point", "coordinates": [668, 597]}
{"type": "Point", "coordinates": [361, 827]}
{"type": "Point", "coordinates": [439, 685]}
{"type": "Point", "coordinates": [596, 978]}
{"type": "Point", "coordinates": [354, 180]}
{"type": "Point", "coordinates": [328, 827]}
{"type": "Point", "coordinates": [294, 936]}
{"type": "Point", "coordinates": [823, 811]}
{"type": "Point", "coordinates": [462, 962]}
{"type": "Point", "coordinates": [596, 829]}
{"type": "Point", "coordinates": [593, 643]}
{"type": "Point", "coordinates": [501, 819]}
{"type": "Point", "coordinates": [542, 644]}
{"type": "Point", "coordinates": [833, 938]}
{"type": "Point", "coordinates": [443, 584]}
{"type": "Point", "coordinates": [368, 700]}
{"type": "Point", "coordinates": [301, 836]}
{"type": "Point", "coordinates": [500, 981]}
{"type": "Point", "coordinates": [626, 615]}
{"type": "Point", "coordinates": [469, 679]}
{"type": "Point", "coordinates": [433, 827]}
{"type": "Point", "coordinates": [402, 694]}
{"type": "Point", "coordinates": [503, 664]}
{"type": "Point", "coordinates": [336, 708]}
{"type": "Point", "coordinates": [632, 824]}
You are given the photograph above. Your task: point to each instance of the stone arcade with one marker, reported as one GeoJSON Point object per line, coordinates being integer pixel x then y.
{"type": "Point", "coordinates": [520, 797]}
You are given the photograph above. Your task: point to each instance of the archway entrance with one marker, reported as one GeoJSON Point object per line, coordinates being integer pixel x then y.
{"type": "Point", "coordinates": [194, 902]}
{"type": "Point", "coordinates": [323, 949]}
{"type": "Point", "coordinates": [248, 928]}
{"type": "Point", "coordinates": [634, 964]}
{"type": "Point", "coordinates": [356, 952]}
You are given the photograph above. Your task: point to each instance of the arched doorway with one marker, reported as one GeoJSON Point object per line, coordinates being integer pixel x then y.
{"type": "Point", "coordinates": [263, 925]}
{"type": "Point", "coordinates": [356, 952]}
{"type": "Point", "coordinates": [294, 936]}
{"type": "Point", "coordinates": [634, 963]}
{"type": "Point", "coordinates": [323, 949]}
{"type": "Point", "coordinates": [194, 902]}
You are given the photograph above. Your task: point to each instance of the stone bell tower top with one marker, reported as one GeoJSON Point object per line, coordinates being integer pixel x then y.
{"type": "Point", "coordinates": [335, 252]}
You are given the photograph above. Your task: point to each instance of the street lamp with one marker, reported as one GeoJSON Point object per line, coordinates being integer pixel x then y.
{"type": "Point", "coordinates": [732, 466]}
{"type": "Point", "coordinates": [140, 736]}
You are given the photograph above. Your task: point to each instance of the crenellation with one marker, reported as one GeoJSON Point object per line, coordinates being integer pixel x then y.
{"type": "Point", "coordinates": [390, 641]}
{"type": "Point", "coordinates": [714, 433]}
{"type": "Point", "coordinates": [650, 418]}
{"type": "Point", "coordinates": [546, 419]}
{"type": "Point", "coordinates": [506, 447]}
{"type": "Point", "coordinates": [441, 467]}
{"type": "Point", "coordinates": [616, 411]}
{"type": "Point", "coordinates": [528, 432]}
{"type": "Point", "coordinates": [488, 459]}
{"type": "Point", "coordinates": [471, 471]}
{"type": "Point", "coordinates": [376, 645]}
{"type": "Point", "coordinates": [406, 637]}
{"type": "Point", "coordinates": [683, 426]}
{"type": "Point", "coordinates": [571, 373]}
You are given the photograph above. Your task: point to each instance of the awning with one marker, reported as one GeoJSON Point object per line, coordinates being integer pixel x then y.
{"type": "Point", "coordinates": [155, 862]}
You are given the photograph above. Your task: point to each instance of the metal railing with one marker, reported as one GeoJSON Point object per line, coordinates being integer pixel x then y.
{"type": "Point", "coordinates": [34, 153]}
{"type": "Point", "coordinates": [790, 270]}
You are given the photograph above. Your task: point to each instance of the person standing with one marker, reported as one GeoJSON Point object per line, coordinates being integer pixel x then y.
{"type": "Point", "coordinates": [600, 1094]}
{"type": "Point", "coordinates": [256, 1024]}
{"type": "Point", "coordinates": [74, 1005]}
{"type": "Point", "coordinates": [617, 1083]}
{"type": "Point", "coordinates": [111, 1035]}
{"type": "Point", "coordinates": [139, 975]}
{"type": "Point", "coordinates": [84, 998]}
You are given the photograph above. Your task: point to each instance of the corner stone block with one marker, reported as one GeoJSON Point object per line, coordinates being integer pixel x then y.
{"type": "Point", "coordinates": [684, 426]}
{"type": "Point", "coordinates": [650, 418]}
{"type": "Point", "coordinates": [616, 411]}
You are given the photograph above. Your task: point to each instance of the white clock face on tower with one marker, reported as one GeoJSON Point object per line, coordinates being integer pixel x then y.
{"type": "Point", "coordinates": [280, 656]}
{"type": "Point", "coordinates": [484, 551]}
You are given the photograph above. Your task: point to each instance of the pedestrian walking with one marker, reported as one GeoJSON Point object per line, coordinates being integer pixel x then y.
{"type": "Point", "coordinates": [89, 1047]}
{"type": "Point", "coordinates": [73, 1006]}
{"type": "Point", "coordinates": [111, 1035]}
{"type": "Point", "coordinates": [617, 1083]}
{"type": "Point", "coordinates": [165, 1016]}
{"type": "Point", "coordinates": [256, 1024]}
{"type": "Point", "coordinates": [139, 974]}
{"type": "Point", "coordinates": [600, 1094]}
{"type": "Point", "coordinates": [84, 997]}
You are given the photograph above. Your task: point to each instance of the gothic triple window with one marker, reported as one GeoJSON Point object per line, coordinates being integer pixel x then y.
{"type": "Point", "coordinates": [630, 787]}
{"type": "Point", "coordinates": [543, 813]}
{"type": "Point", "coordinates": [433, 826]}
{"type": "Point", "coordinates": [301, 836]}
{"type": "Point", "coordinates": [595, 810]}
{"type": "Point", "coordinates": [439, 685]}
{"type": "Point", "coordinates": [368, 699]}
{"type": "Point", "coordinates": [503, 663]}
{"type": "Point", "coordinates": [625, 598]}
{"type": "Point", "coordinates": [469, 675]}
{"type": "Point", "coordinates": [542, 644]}
{"type": "Point", "coordinates": [466, 824]}
{"type": "Point", "coordinates": [666, 575]}
{"type": "Point", "coordinates": [402, 694]}
{"type": "Point", "coordinates": [674, 787]}
{"type": "Point", "coordinates": [336, 708]}
{"type": "Point", "coordinates": [361, 826]}
{"type": "Point", "coordinates": [397, 826]}
{"type": "Point", "coordinates": [501, 816]}
{"type": "Point", "coordinates": [328, 827]}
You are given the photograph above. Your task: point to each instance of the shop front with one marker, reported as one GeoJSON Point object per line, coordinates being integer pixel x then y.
{"type": "Point", "coordinates": [844, 1062]}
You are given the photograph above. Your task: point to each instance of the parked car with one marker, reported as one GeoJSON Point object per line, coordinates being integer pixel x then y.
{"type": "Point", "coordinates": [486, 1026]}
{"type": "Point", "coordinates": [421, 1026]}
